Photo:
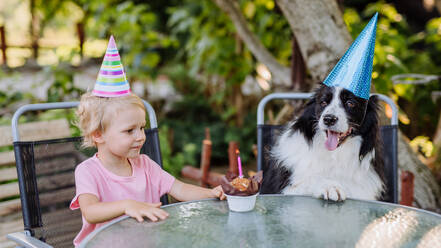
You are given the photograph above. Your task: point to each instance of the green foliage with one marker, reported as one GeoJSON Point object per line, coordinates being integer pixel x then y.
{"type": "Point", "coordinates": [63, 88]}
{"type": "Point", "coordinates": [216, 56]}
{"type": "Point", "coordinates": [189, 128]}
{"type": "Point", "coordinates": [433, 39]}
{"type": "Point", "coordinates": [423, 145]}
{"type": "Point", "coordinates": [174, 162]}
{"type": "Point", "coordinates": [135, 29]}
{"type": "Point", "coordinates": [47, 11]}
{"type": "Point", "coordinates": [200, 51]}
{"type": "Point", "coordinates": [211, 44]}
{"type": "Point", "coordinates": [7, 98]}
{"type": "Point", "coordinates": [398, 51]}
{"type": "Point", "coordinates": [270, 26]}
{"type": "Point", "coordinates": [393, 53]}
{"type": "Point", "coordinates": [195, 111]}
{"type": "Point", "coordinates": [191, 132]}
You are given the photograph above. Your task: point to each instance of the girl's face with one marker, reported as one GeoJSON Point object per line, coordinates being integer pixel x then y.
{"type": "Point", "coordinates": [124, 135]}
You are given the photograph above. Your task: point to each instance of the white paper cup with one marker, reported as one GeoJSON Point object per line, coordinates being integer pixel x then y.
{"type": "Point", "coordinates": [241, 203]}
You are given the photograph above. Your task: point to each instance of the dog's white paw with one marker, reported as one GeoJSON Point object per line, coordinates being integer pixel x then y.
{"type": "Point", "coordinates": [331, 192]}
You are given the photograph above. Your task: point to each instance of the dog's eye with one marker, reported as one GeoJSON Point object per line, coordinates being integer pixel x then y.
{"type": "Point", "coordinates": [350, 104]}
{"type": "Point", "coordinates": [323, 103]}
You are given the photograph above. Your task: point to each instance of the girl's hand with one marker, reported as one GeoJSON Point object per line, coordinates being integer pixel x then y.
{"type": "Point", "coordinates": [218, 192]}
{"type": "Point", "coordinates": [139, 210]}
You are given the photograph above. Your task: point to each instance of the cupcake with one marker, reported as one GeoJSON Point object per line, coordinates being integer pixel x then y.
{"type": "Point", "coordinates": [241, 192]}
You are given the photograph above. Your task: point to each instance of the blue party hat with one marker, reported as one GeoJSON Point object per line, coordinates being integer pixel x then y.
{"type": "Point", "coordinates": [354, 70]}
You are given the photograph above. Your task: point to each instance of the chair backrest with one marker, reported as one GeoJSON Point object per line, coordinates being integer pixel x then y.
{"type": "Point", "coordinates": [266, 135]}
{"type": "Point", "coordinates": [45, 172]}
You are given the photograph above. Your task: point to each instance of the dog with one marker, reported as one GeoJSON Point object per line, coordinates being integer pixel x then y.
{"type": "Point", "coordinates": [332, 150]}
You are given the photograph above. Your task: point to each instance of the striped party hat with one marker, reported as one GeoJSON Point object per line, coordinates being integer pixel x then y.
{"type": "Point", "coordinates": [111, 81]}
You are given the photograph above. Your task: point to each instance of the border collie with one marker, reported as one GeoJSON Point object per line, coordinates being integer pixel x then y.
{"type": "Point", "coordinates": [332, 151]}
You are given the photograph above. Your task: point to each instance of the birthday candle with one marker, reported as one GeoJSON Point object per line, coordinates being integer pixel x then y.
{"type": "Point", "coordinates": [239, 163]}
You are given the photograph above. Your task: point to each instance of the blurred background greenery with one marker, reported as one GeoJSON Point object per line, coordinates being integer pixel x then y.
{"type": "Point", "coordinates": [187, 60]}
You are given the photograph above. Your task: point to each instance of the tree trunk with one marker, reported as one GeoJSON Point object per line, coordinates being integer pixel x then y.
{"type": "Point", "coordinates": [281, 74]}
{"type": "Point", "coordinates": [298, 68]}
{"type": "Point", "coordinates": [438, 5]}
{"type": "Point", "coordinates": [34, 30]}
{"type": "Point", "coordinates": [437, 136]}
{"type": "Point", "coordinates": [427, 191]}
{"type": "Point", "coordinates": [323, 38]}
{"type": "Point", "coordinates": [321, 33]}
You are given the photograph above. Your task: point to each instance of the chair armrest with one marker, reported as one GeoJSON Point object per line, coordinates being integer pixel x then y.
{"type": "Point", "coordinates": [27, 241]}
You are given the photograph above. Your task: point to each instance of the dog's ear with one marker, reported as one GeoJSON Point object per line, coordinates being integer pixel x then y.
{"type": "Point", "coordinates": [370, 132]}
{"type": "Point", "coordinates": [309, 109]}
{"type": "Point", "coordinates": [369, 129]}
{"type": "Point", "coordinates": [307, 120]}
{"type": "Point", "coordinates": [371, 121]}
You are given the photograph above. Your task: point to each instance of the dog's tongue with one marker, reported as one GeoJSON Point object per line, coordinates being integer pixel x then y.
{"type": "Point", "coordinates": [332, 141]}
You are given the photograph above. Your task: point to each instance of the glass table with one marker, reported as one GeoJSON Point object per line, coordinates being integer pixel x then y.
{"type": "Point", "coordinates": [277, 221]}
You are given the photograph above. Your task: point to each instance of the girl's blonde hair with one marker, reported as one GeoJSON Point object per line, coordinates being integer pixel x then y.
{"type": "Point", "coordinates": [95, 113]}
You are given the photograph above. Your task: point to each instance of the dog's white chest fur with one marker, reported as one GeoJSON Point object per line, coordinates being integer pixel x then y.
{"type": "Point", "coordinates": [319, 172]}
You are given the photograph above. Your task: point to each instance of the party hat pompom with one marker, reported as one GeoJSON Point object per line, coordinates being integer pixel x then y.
{"type": "Point", "coordinates": [111, 81]}
{"type": "Point", "coordinates": [354, 70]}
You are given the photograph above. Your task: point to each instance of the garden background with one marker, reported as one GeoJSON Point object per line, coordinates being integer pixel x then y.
{"type": "Point", "coordinates": [188, 60]}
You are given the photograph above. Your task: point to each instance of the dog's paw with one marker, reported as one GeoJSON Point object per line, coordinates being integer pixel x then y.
{"type": "Point", "coordinates": [333, 193]}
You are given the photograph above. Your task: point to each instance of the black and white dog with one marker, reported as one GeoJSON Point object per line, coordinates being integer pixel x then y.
{"type": "Point", "coordinates": [332, 150]}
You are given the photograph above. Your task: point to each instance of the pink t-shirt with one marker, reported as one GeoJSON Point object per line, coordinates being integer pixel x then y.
{"type": "Point", "coordinates": [147, 184]}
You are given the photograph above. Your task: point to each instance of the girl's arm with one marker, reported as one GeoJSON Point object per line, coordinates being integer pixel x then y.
{"type": "Point", "coordinates": [188, 192]}
{"type": "Point", "coordinates": [97, 212]}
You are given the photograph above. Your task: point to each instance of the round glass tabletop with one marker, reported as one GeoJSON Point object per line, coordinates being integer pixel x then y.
{"type": "Point", "coordinates": [277, 221]}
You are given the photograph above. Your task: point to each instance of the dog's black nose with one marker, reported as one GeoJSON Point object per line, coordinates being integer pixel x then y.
{"type": "Point", "coordinates": [330, 120]}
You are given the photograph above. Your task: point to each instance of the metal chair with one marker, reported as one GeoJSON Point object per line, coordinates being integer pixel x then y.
{"type": "Point", "coordinates": [266, 136]}
{"type": "Point", "coordinates": [45, 171]}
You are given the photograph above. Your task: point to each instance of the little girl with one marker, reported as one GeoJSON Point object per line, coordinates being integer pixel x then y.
{"type": "Point", "coordinates": [119, 180]}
